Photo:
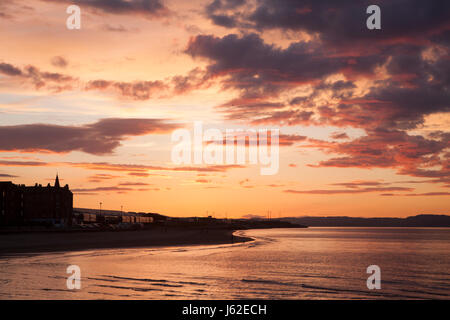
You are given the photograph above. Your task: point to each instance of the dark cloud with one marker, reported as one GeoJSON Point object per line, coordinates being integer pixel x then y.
{"type": "Point", "coordinates": [338, 22]}
{"type": "Point", "coordinates": [5, 175]}
{"type": "Point", "coordinates": [251, 63]}
{"type": "Point", "coordinates": [223, 19]}
{"type": "Point", "coordinates": [9, 70]}
{"type": "Point", "coordinates": [149, 8]}
{"type": "Point", "coordinates": [262, 71]}
{"type": "Point", "coordinates": [417, 81]}
{"type": "Point", "coordinates": [412, 46]}
{"type": "Point", "coordinates": [101, 137]}
{"type": "Point", "coordinates": [59, 62]}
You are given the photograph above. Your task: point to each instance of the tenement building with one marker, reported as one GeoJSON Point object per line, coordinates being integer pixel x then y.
{"type": "Point", "coordinates": [22, 205]}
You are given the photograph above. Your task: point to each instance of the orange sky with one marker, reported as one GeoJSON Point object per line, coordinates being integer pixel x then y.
{"type": "Point", "coordinates": [363, 119]}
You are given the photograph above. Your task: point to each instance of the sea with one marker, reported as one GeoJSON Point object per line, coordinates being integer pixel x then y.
{"type": "Point", "coordinates": [312, 263]}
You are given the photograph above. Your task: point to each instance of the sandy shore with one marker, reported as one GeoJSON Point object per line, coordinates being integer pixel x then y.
{"type": "Point", "coordinates": [75, 241]}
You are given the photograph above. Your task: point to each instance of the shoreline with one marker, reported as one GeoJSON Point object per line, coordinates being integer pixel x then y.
{"type": "Point", "coordinates": [33, 243]}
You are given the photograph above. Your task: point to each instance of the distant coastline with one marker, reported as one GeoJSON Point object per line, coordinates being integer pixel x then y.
{"type": "Point", "coordinates": [418, 221]}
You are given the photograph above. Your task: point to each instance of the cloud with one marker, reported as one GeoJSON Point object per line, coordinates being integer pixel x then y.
{"type": "Point", "coordinates": [147, 8]}
{"type": "Point", "coordinates": [59, 62]}
{"type": "Point", "coordinates": [98, 138]}
{"type": "Point", "coordinates": [255, 138]}
{"type": "Point", "coordinates": [114, 188]}
{"type": "Point", "coordinates": [349, 191]}
{"type": "Point", "coordinates": [412, 155]}
{"type": "Point", "coordinates": [405, 66]}
{"type": "Point", "coordinates": [275, 185]}
{"type": "Point", "coordinates": [134, 184]}
{"type": "Point", "coordinates": [415, 84]}
{"type": "Point", "coordinates": [335, 22]}
{"type": "Point", "coordinates": [425, 194]}
{"type": "Point", "coordinates": [119, 28]}
{"type": "Point", "coordinates": [195, 79]}
{"type": "Point", "coordinates": [202, 181]}
{"type": "Point", "coordinates": [339, 135]}
{"type": "Point", "coordinates": [51, 80]}
{"type": "Point", "coordinates": [6, 163]}
{"type": "Point", "coordinates": [121, 188]}
{"type": "Point", "coordinates": [5, 175]}
{"type": "Point", "coordinates": [96, 178]}
{"type": "Point", "coordinates": [141, 170]}
{"type": "Point", "coordinates": [250, 62]}
{"type": "Point", "coordinates": [359, 183]}
{"type": "Point", "coordinates": [138, 90]}
{"type": "Point", "coordinates": [9, 69]}
{"type": "Point", "coordinates": [139, 174]}
{"type": "Point", "coordinates": [261, 72]}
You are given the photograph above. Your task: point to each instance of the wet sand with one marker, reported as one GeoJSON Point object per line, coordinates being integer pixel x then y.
{"type": "Point", "coordinates": [76, 241]}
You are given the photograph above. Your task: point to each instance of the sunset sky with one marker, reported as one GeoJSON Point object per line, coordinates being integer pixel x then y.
{"type": "Point", "coordinates": [363, 114]}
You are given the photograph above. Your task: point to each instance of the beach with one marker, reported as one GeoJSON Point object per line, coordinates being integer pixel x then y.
{"type": "Point", "coordinates": [75, 241]}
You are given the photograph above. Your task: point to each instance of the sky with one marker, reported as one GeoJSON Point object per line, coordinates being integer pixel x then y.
{"type": "Point", "coordinates": [363, 115]}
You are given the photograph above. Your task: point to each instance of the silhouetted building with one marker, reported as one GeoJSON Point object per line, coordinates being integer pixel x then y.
{"type": "Point", "coordinates": [37, 205]}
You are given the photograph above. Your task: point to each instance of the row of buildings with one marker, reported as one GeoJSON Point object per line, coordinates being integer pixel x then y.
{"type": "Point", "coordinates": [93, 216]}
{"type": "Point", "coordinates": [39, 205]}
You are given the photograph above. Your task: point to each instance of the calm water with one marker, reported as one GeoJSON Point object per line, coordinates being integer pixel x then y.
{"type": "Point", "coordinates": [314, 263]}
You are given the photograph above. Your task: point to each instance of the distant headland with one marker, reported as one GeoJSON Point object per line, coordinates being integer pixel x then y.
{"type": "Point", "coordinates": [418, 221]}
